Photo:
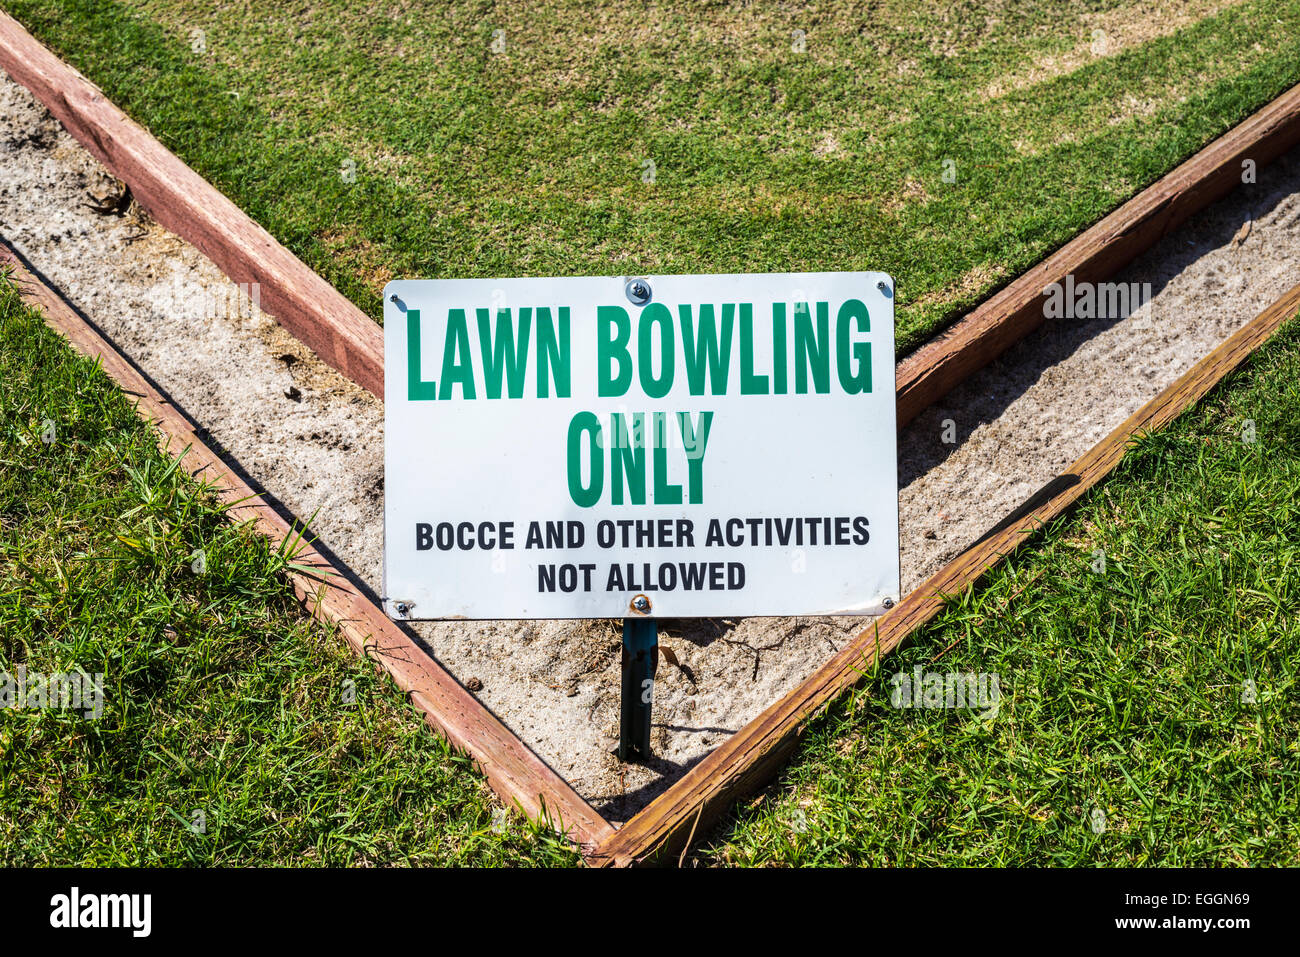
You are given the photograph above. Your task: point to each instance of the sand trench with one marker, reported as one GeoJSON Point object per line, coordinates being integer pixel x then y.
{"type": "Point", "coordinates": [314, 441]}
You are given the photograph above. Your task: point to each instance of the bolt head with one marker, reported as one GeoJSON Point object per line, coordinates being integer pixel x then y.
{"type": "Point", "coordinates": [888, 603]}
{"type": "Point", "coordinates": [638, 291]}
{"type": "Point", "coordinates": [641, 603]}
{"type": "Point", "coordinates": [402, 608]}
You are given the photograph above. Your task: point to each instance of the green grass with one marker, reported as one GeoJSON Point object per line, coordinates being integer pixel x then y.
{"type": "Point", "coordinates": [221, 697]}
{"type": "Point", "coordinates": [1128, 691]}
{"type": "Point", "coordinates": [530, 161]}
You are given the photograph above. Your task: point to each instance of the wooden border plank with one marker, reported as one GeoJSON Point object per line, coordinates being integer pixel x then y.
{"type": "Point", "coordinates": [181, 200]}
{"type": "Point", "coordinates": [515, 772]}
{"type": "Point", "coordinates": [1006, 317]}
{"type": "Point", "coordinates": [753, 755]}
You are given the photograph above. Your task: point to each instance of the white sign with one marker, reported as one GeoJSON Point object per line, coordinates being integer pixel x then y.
{"type": "Point", "coordinates": [682, 445]}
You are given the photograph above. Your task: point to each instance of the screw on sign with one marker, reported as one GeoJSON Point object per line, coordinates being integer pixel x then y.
{"type": "Point", "coordinates": [640, 447]}
{"type": "Point", "coordinates": [640, 663]}
{"type": "Point", "coordinates": [638, 292]}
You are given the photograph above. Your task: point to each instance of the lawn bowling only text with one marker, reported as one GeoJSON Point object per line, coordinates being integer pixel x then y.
{"type": "Point", "coordinates": [809, 354]}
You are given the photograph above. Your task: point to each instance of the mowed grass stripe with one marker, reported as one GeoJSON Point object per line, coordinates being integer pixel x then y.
{"type": "Point", "coordinates": [531, 161]}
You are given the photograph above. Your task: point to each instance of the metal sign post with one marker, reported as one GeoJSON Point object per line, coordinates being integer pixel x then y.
{"type": "Point", "coordinates": [640, 663]}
